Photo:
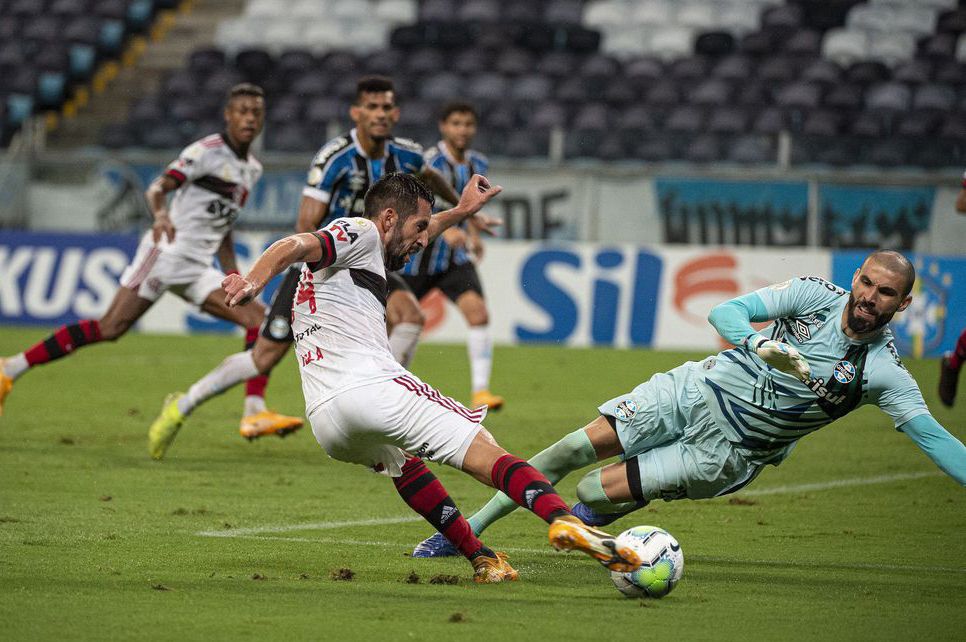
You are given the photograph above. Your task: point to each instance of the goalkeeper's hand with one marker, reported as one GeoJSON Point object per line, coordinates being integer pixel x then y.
{"type": "Point", "coordinates": [781, 356]}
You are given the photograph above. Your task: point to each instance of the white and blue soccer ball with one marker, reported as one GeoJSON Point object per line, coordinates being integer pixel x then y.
{"type": "Point", "coordinates": [662, 563]}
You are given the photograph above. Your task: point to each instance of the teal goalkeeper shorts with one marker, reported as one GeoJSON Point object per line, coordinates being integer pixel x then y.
{"type": "Point", "coordinates": [672, 444]}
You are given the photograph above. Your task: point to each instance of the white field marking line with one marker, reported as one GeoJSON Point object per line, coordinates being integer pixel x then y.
{"type": "Point", "coordinates": [385, 521]}
{"type": "Point", "coordinates": [262, 532]}
{"type": "Point", "coordinates": [840, 483]}
{"type": "Point", "coordinates": [698, 558]}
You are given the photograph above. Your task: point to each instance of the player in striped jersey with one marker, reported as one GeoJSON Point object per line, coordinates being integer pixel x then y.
{"type": "Point", "coordinates": [340, 174]}
{"type": "Point", "coordinates": [211, 181]}
{"type": "Point", "coordinates": [366, 408]}
{"type": "Point", "coordinates": [952, 362]}
{"type": "Point", "coordinates": [447, 262]}
{"type": "Point", "coordinates": [707, 429]}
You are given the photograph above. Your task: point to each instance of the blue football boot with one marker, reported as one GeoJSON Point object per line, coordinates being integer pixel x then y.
{"type": "Point", "coordinates": [589, 516]}
{"type": "Point", "coordinates": [435, 546]}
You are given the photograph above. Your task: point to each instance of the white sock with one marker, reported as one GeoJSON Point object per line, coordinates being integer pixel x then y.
{"type": "Point", "coordinates": [403, 340]}
{"type": "Point", "coordinates": [15, 366]}
{"type": "Point", "coordinates": [479, 345]}
{"type": "Point", "coordinates": [254, 405]}
{"type": "Point", "coordinates": [231, 372]}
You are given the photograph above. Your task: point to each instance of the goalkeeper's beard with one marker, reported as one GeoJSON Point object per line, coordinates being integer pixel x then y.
{"type": "Point", "coordinates": [861, 325]}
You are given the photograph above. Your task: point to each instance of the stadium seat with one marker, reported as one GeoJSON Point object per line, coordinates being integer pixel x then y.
{"type": "Point", "coordinates": [823, 72]}
{"type": "Point", "coordinates": [889, 153]}
{"type": "Point", "coordinates": [620, 92]}
{"type": "Point", "coordinates": [845, 96]}
{"type": "Point", "coordinates": [950, 72]}
{"type": "Point", "coordinates": [556, 64]}
{"type": "Point", "coordinates": [659, 13]}
{"type": "Point", "coordinates": [702, 149]}
{"type": "Point", "coordinates": [777, 70]}
{"type": "Point", "coordinates": [867, 72]}
{"type": "Point", "coordinates": [867, 124]}
{"type": "Point", "coordinates": [527, 143]}
{"type": "Point", "coordinates": [665, 93]}
{"type": "Point", "coordinates": [531, 88]}
{"type": "Point", "coordinates": [751, 149]}
{"type": "Point", "coordinates": [822, 122]}
{"type": "Point", "coordinates": [845, 47]}
{"type": "Point", "coordinates": [892, 48]}
{"type": "Point", "coordinates": [952, 21]}
{"type": "Point", "coordinates": [440, 87]}
{"type": "Point", "coordinates": [438, 10]}
{"type": "Point", "coordinates": [714, 44]}
{"type": "Point", "coordinates": [918, 125]}
{"type": "Point", "coordinates": [913, 72]}
{"type": "Point", "coordinates": [770, 121]}
{"type": "Point", "coordinates": [711, 93]}
{"type": "Point", "coordinates": [734, 67]}
{"type": "Point", "coordinates": [396, 11]}
{"type": "Point", "coordinates": [324, 109]}
{"type": "Point", "coordinates": [567, 12]}
{"type": "Point", "coordinates": [805, 43]}
{"type": "Point", "coordinates": [670, 42]}
{"type": "Point", "coordinates": [635, 120]}
{"type": "Point", "coordinates": [548, 115]}
{"type": "Point", "coordinates": [758, 44]}
{"type": "Point", "coordinates": [514, 61]}
{"type": "Point", "coordinates": [888, 97]}
{"type": "Point", "coordinates": [643, 69]}
{"type": "Point", "coordinates": [690, 69]}
{"type": "Point", "coordinates": [51, 89]}
{"type": "Point", "coordinates": [728, 120]}
{"type": "Point", "coordinates": [487, 87]}
{"type": "Point", "coordinates": [163, 135]}
{"type": "Point", "coordinates": [606, 14]}
{"type": "Point", "coordinates": [686, 119]}
{"type": "Point", "coordinates": [698, 15]}
{"type": "Point", "coordinates": [934, 97]}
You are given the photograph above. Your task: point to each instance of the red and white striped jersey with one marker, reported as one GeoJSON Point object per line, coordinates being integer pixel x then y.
{"type": "Point", "coordinates": [339, 314]}
{"type": "Point", "coordinates": [214, 184]}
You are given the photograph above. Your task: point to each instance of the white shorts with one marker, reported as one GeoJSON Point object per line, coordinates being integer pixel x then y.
{"type": "Point", "coordinates": [155, 270]}
{"type": "Point", "coordinates": [376, 425]}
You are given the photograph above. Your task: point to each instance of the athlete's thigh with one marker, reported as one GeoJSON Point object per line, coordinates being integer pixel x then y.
{"type": "Point", "coordinates": [125, 309]}
{"type": "Point", "coordinates": [402, 307]}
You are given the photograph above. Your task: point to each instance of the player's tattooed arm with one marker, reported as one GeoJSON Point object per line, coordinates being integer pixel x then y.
{"type": "Point", "coordinates": [439, 185]}
{"type": "Point", "coordinates": [311, 214]}
{"type": "Point", "coordinates": [240, 290]}
{"type": "Point", "coordinates": [157, 197]}
{"type": "Point", "coordinates": [477, 193]}
{"type": "Point", "coordinates": [226, 254]}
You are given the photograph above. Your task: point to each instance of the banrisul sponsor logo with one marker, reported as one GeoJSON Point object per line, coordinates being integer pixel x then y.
{"type": "Point", "coordinates": [819, 388]}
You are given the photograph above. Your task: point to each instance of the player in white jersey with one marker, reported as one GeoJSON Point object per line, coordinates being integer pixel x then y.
{"type": "Point", "coordinates": [211, 180]}
{"type": "Point", "coordinates": [365, 408]}
{"type": "Point", "coordinates": [707, 429]}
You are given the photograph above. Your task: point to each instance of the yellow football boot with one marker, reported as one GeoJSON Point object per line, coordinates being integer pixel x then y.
{"type": "Point", "coordinates": [267, 422]}
{"type": "Point", "coordinates": [162, 432]}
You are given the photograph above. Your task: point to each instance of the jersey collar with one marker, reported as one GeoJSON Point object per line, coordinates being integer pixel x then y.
{"type": "Point", "coordinates": [444, 150]}
{"type": "Point", "coordinates": [362, 152]}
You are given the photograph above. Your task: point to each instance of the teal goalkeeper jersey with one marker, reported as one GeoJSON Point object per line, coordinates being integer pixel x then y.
{"type": "Point", "coordinates": [763, 409]}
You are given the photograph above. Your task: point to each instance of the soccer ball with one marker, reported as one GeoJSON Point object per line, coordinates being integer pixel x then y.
{"type": "Point", "coordinates": [661, 567]}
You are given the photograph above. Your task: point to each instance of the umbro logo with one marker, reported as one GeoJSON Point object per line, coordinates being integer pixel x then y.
{"type": "Point", "coordinates": [802, 331]}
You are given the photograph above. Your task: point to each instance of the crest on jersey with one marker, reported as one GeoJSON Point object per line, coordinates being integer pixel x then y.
{"type": "Point", "coordinates": [625, 410]}
{"type": "Point", "coordinates": [843, 371]}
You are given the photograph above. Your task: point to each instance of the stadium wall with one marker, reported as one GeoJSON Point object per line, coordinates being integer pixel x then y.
{"type": "Point", "coordinates": [572, 293]}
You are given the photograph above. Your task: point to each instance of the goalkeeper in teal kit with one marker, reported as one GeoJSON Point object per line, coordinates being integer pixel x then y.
{"type": "Point", "coordinates": [707, 428]}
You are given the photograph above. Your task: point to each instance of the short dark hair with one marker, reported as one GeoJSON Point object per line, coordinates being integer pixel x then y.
{"type": "Point", "coordinates": [371, 84]}
{"type": "Point", "coordinates": [401, 192]}
{"type": "Point", "coordinates": [244, 89]}
{"type": "Point", "coordinates": [457, 107]}
{"type": "Point", "coordinates": [896, 262]}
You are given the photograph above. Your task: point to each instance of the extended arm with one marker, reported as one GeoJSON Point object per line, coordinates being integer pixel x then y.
{"type": "Point", "coordinates": [947, 452]}
{"type": "Point", "coordinates": [281, 254]}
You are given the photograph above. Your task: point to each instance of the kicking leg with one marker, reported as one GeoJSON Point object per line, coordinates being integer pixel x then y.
{"type": "Point", "coordinates": [424, 493]}
{"type": "Point", "coordinates": [489, 463]}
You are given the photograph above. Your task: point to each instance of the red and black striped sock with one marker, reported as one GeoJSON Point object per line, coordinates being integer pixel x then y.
{"type": "Point", "coordinates": [254, 387]}
{"type": "Point", "coordinates": [525, 485]}
{"type": "Point", "coordinates": [958, 357]}
{"type": "Point", "coordinates": [425, 494]}
{"type": "Point", "coordinates": [63, 342]}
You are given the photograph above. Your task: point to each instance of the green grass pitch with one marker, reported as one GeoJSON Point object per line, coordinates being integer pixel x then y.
{"type": "Point", "coordinates": [857, 536]}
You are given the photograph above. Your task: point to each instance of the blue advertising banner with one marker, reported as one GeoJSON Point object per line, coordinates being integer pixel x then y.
{"type": "Point", "coordinates": [932, 323]}
{"type": "Point", "coordinates": [733, 212]}
{"type": "Point", "coordinates": [873, 216]}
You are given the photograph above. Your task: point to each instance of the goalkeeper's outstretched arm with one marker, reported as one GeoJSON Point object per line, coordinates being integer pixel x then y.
{"type": "Point", "coordinates": [942, 448]}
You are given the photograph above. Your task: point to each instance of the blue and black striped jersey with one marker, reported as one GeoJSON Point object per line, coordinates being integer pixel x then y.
{"type": "Point", "coordinates": [341, 172]}
{"type": "Point", "coordinates": [438, 256]}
